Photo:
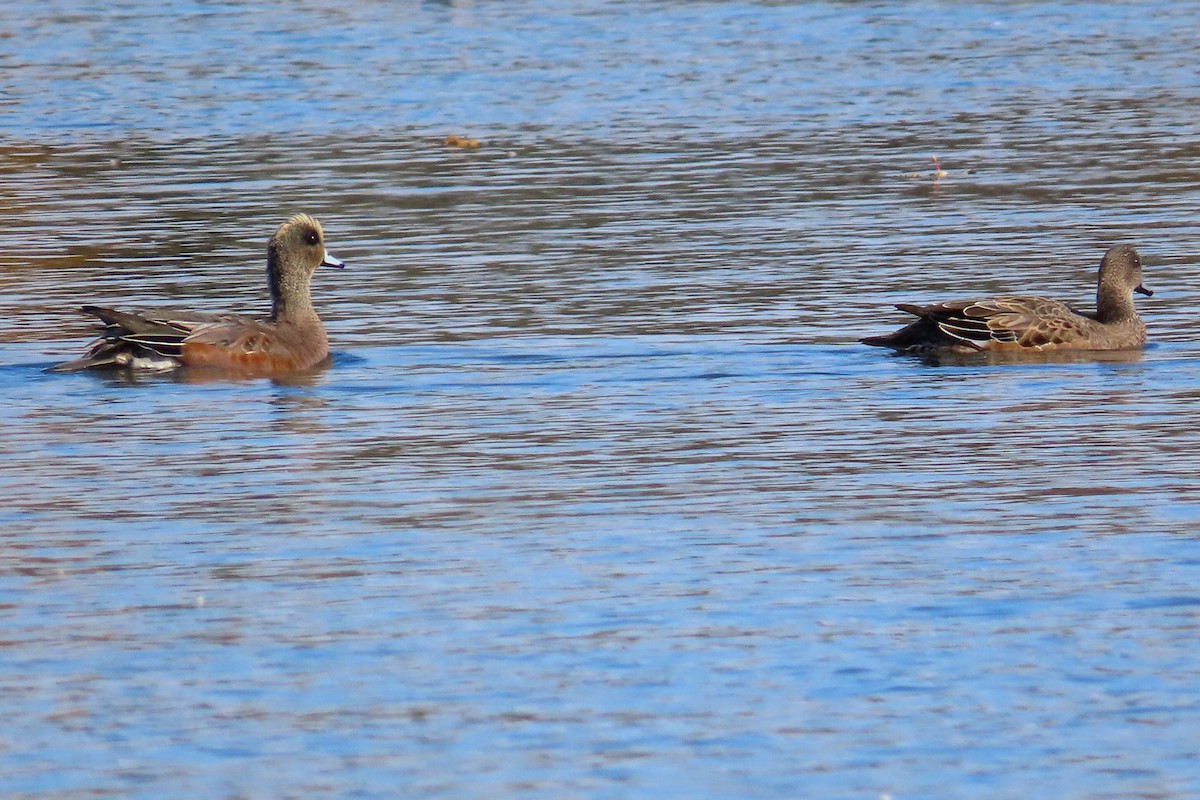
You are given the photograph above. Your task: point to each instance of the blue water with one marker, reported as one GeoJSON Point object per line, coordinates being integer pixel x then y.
{"type": "Point", "coordinates": [599, 497]}
{"type": "Point", "coordinates": [585, 68]}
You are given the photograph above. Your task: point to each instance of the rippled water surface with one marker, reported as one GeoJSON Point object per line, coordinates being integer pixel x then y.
{"type": "Point", "coordinates": [600, 497]}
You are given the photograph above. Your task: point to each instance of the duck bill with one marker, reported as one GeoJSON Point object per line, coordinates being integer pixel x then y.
{"type": "Point", "coordinates": [1143, 290]}
{"type": "Point", "coordinates": [330, 261]}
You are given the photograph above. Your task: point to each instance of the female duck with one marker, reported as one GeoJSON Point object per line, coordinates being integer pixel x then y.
{"type": "Point", "coordinates": [1031, 324]}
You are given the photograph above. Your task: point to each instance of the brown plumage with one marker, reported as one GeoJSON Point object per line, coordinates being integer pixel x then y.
{"type": "Point", "coordinates": [1021, 324]}
{"type": "Point", "coordinates": [292, 338]}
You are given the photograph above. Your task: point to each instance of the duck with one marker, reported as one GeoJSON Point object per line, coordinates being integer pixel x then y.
{"type": "Point", "coordinates": [1030, 324]}
{"type": "Point", "coordinates": [291, 339]}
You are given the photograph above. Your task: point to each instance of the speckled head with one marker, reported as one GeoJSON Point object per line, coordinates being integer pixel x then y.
{"type": "Point", "coordinates": [293, 255]}
{"type": "Point", "coordinates": [1120, 276]}
{"type": "Point", "coordinates": [301, 242]}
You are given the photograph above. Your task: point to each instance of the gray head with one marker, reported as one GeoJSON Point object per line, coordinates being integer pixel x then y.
{"type": "Point", "coordinates": [293, 255]}
{"type": "Point", "coordinates": [1120, 277]}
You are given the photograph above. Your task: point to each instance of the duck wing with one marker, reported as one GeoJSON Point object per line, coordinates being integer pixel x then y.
{"type": "Point", "coordinates": [132, 339]}
{"type": "Point", "coordinates": [233, 333]}
{"type": "Point", "coordinates": [1032, 322]}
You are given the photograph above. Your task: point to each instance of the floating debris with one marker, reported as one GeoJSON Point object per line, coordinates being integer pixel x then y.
{"type": "Point", "coordinates": [465, 142]}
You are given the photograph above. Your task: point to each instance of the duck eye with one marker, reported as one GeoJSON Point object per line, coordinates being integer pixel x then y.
{"type": "Point", "coordinates": [311, 237]}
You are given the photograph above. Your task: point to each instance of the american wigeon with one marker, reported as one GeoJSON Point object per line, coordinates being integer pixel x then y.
{"type": "Point", "coordinates": [1031, 324]}
{"type": "Point", "coordinates": [292, 338]}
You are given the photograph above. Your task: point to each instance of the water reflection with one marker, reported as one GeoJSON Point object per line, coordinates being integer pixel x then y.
{"type": "Point", "coordinates": [1000, 357]}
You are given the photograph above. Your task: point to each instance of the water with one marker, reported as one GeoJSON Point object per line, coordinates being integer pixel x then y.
{"type": "Point", "coordinates": [600, 498]}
